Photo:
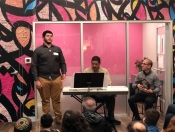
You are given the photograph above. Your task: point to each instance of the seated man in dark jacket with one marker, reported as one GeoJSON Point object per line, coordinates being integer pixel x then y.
{"type": "Point", "coordinates": [95, 120]}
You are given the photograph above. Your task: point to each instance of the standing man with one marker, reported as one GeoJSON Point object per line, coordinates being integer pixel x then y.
{"type": "Point", "coordinates": [147, 93]}
{"type": "Point", "coordinates": [49, 70]}
{"type": "Point", "coordinates": [96, 68]}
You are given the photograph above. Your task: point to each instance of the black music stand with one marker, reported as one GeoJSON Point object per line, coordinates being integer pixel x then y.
{"type": "Point", "coordinates": [87, 80]}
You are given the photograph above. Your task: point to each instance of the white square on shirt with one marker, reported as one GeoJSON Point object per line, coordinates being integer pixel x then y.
{"type": "Point", "coordinates": [55, 53]}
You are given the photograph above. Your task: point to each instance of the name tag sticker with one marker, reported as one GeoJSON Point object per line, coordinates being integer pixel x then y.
{"type": "Point", "coordinates": [55, 53]}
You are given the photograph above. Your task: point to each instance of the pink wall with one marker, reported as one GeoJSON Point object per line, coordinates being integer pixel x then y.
{"type": "Point", "coordinates": [108, 41]}
{"type": "Point", "coordinates": [136, 45]}
{"type": "Point", "coordinates": [67, 37]}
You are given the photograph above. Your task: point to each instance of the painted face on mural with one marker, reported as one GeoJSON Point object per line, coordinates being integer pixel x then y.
{"type": "Point", "coordinates": [95, 65]}
{"type": "Point", "coordinates": [48, 38]}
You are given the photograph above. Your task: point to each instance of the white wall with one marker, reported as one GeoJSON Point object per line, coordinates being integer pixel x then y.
{"type": "Point", "coordinates": [149, 40]}
{"type": "Point", "coordinates": [150, 50]}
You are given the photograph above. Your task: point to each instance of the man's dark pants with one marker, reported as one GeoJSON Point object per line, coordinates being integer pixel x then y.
{"type": "Point", "coordinates": [148, 99]}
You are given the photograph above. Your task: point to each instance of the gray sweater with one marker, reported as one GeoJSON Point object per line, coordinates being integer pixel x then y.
{"type": "Point", "coordinates": [152, 79]}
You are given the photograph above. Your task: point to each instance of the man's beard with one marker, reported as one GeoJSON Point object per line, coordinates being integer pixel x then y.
{"type": "Point", "coordinates": [95, 69]}
{"type": "Point", "coordinates": [47, 42]}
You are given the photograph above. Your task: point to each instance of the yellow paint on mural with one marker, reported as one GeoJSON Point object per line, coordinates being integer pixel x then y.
{"type": "Point", "coordinates": [93, 14]}
{"type": "Point", "coordinates": [23, 35]}
{"type": "Point", "coordinates": [21, 79]}
{"type": "Point", "coordinates": [15, 3]}
{"type": "Point", "coordinates": [71, 1]}
{"type": "Point", "coordinates": [134, 4]}
{"type": "Point", "coordinates": [114, 18]}
{"type": "Point", "coordinates": [159, 2]}
{"type": "Point", "coordinates": [174, 27]}
{"type": "Point", "coordinates": [71, 12]}
{"type": "Point", "coordinates": [83, 5]}
{"type": "Point", "coordinates": [30, 103]}
{"type": "Point", "coordinates": [3, 33]}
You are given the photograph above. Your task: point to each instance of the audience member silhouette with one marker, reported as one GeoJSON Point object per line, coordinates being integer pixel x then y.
{"type": "Point", "coordinates": [169, 114]}
{"type": "Point", "coordinates": [151, 117]}
{"type": "Point", "coordinates": [136, 126]}
{"type": "Point", "coordinates": [73, 121]}
{"type": "Point", "coordinates": [23, 124]}
{"type": "Point", "coordinates": [171, 125]}
{"type": "Point", "coordinates": [46, 123]}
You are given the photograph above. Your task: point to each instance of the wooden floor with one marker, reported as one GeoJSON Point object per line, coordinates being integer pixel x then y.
{"type": "Point", "coordinates": [8, 127]}
{"type": "Point", "coordinates": [125, 120]}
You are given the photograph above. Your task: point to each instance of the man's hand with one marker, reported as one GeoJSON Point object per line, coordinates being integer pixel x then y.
{"type": "Point", "coordinates": [57, 130]}
{"type": "Point", "coordinates": [149, 91]}
{"type": "Point", "coordinates": [38, 84]}
{"type": "Point", "coordinates": [140, 87]}
{"type": "Point", "coordinates": [63, 77]}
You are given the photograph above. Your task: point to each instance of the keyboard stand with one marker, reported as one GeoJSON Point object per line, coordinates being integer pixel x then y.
{"type": "Point", "coordinates": [103, 103]}
{"type": "Point", "coordinates": [98, 107]}
{"type": "Point", "coordinates": [77, 98]}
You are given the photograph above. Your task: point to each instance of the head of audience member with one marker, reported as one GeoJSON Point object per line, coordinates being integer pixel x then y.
{"type": "Point", "coordinates": [171, 125]}
{"type": "Point", "coordinates": [23, 124]}
{"type": "Point", "coordinates": [146, 65]}
{"type": "Point", "coordinates": [136, 126]}
{"type": "Point", "coordinates": [151, 117]}
{"type": "Point", "coordinates": [47, 37]}
{"type": "Point", "coordinates": [88, 103]}
{"type": "Point", "coordinates": [46, 121]}
{"type": "Point", "coordinates": [95, 63]}
{"type": "Point", "coordinates": [73, 121]}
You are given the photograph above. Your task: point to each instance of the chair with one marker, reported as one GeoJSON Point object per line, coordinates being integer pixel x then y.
{"type": "Point", "coordinates": [155, 106]}
{"type": "Point", "coordinates": [159, 98]}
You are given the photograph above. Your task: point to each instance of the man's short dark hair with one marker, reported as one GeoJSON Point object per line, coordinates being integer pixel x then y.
{"type": "Point", "coordinates": [139, 128]}
{"type": "Point", "coordinates": [46, 120]}
{"type": "Point", "coordinates": [151, 117]}
{"type": "Point", "coordinates": [45, 32]}
{"type": "Point", "coordinates": [96, 58]}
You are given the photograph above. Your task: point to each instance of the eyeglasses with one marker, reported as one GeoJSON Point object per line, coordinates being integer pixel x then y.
{"type": "Point", "coordinates": [145, 64]}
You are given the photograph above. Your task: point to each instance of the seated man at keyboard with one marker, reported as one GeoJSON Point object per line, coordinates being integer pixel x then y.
{"type": "Point", "coordinates": [96, 68]}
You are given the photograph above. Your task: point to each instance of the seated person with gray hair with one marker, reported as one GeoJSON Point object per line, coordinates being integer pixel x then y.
{"type": "Point", "coordinates": [95, 120]}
